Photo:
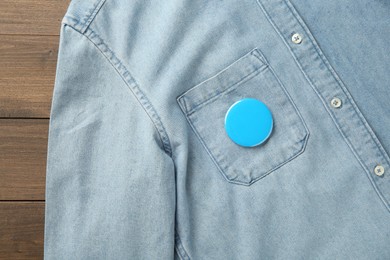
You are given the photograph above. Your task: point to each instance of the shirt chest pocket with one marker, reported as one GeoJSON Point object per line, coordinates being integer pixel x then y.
{"type": "Point", "coordinates": [205, 106]}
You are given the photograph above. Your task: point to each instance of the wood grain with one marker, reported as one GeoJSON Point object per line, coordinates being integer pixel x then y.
{"type": "Point", "coordinates": [21, 230]}
{"type": "Point", "coordinates": [29, 32]}
{"type": "Point", "coordinates": [23, 149]}
{"type": "Point", "coordinates": [33, 17]}
{"type": "Point", "coordinates": [27, 73]}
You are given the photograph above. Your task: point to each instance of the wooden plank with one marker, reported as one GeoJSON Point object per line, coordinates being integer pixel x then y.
{"type": "Point", "coordinates": [27, 73]}
{"type": "Point", "coordinates": [38, 17]}
{"type": "Point", "coordinates": [21, 230]}
{"type": "Point", "coordinates": [23, 149]}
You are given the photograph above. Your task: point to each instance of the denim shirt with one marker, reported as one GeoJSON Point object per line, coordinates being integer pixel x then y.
{"type": "Point", "coordinates": [139, 165]}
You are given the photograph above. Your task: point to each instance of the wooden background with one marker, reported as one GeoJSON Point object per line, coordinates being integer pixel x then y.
{"type": "Point", "coordinates": [29, 34]}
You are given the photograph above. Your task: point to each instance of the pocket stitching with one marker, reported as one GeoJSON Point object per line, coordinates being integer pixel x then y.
{"type": "Point", "coordinates": [302, 142]}
{"type": "Point", "coordinates": [262, 63]}
{"type": "Point", "coordinates": [216, 95]}
{"type": "Point", "coordinates": [222, 168]}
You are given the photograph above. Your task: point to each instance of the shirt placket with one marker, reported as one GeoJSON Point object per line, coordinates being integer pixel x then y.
{"type": "Point", "coordinates": [331, 90]}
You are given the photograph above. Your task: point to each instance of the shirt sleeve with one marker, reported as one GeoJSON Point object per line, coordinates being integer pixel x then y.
{"type": "Point", "coordinates": [110, 186]}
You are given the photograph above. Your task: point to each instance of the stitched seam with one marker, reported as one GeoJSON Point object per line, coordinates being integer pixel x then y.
{"type": "Point", "coordinates": [342, 85]}
{"type": "Point", "coordinates": [226, 89]}
{"type": "Point", "coordinates": [368, 172]}
{"type": "Point", "coordinates": [255, 52]}
{"type": "Point", "coordinates": [221, 166]}
{"type": "Point", "coordinates": [354, 106]}
{"type": "Point", "coordinates": [92, 15]}
{"type": "Point", "coordinates": [325, 105]}
{"type": "Point", "coordinates": [84, 22]}
{"type": "Point", "coordinates": [133, 87]}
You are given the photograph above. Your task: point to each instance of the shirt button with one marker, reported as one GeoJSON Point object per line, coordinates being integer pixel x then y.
{"type": "Point", "coordinates": [296, 38]}
{"type": "Point", "coordinates": [335, 102]}
{"type": "Point", "coordinates": [379, 170]}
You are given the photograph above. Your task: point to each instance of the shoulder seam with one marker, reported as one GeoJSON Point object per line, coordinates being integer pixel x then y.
{"type": "Point", "coordinates": [82, 23]}
{"type": "Point", "coordinates": [92, 15]}
{"type": "Point", "coordinates": [130, 82]}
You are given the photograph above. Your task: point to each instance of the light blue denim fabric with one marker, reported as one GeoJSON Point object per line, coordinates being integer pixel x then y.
{"type": "Point", "coordinates": [139, 165]}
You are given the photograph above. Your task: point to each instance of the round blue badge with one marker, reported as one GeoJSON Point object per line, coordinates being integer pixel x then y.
{"type": "Point", "coordinates": [248, 122]}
